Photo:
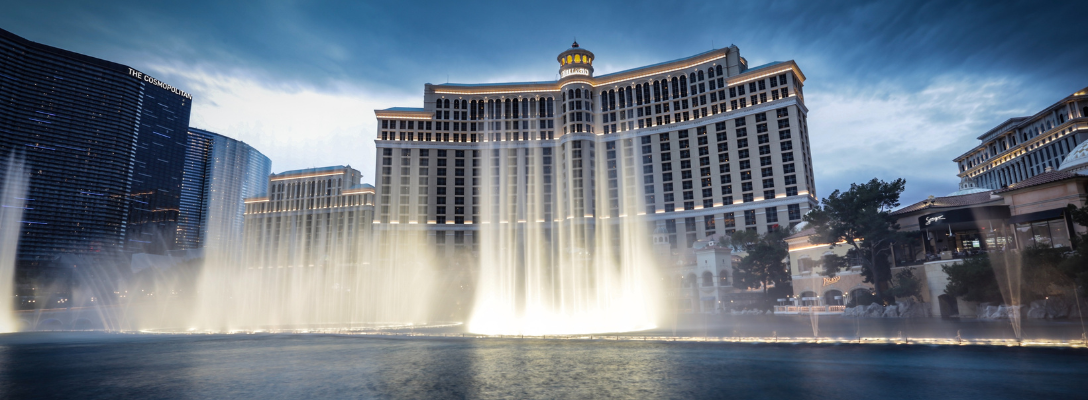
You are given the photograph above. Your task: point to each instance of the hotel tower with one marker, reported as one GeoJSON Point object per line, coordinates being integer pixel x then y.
{"type": "Point", "coordinates": [687, 149]}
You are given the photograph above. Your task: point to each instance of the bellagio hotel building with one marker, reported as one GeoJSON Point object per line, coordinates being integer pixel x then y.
{"type": "Point", "coordinates": [705, 144]}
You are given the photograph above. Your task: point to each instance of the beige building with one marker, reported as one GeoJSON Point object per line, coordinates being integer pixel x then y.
{"type": "Point", "coordinates": [699, 147]}
{"type": "Point", "coordinates": [813, 292]}
{"type": "Point", "coordinates": [311, 217]}
{"type": "Point", "coordinates": [1023, 147]}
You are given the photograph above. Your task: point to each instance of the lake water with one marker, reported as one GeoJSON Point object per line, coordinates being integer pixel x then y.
{"type": "Point", "coordinates": [98, 365]}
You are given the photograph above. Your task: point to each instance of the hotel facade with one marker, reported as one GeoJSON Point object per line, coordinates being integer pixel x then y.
{"type": "Point", "coordinates": [1023, 147]}
{"type": "Point", "coordinates": [700, 146]}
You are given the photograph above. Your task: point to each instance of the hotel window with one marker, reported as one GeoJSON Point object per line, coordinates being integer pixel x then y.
{"type": "Point", "coordinates": [767, 171]}
{"type": "Point", "coordinates": [764, 139]}
{"type": "Point", "coordinates": [787, 157]}
{"type": "Point", "coordinates": [791, 179]}
{"type": "Point", "coordinates": [794, 211]}
{"type": "Point", "coordinates": [768, 183]}
{"type": "Point", "coordinates": [747, 197]}
{"type": "Point", "coordinates": [749, 217]}
{"type": "Point", "coordinates": [768, 194]}
{"type": "Point", "coordinates": [772, 214]}
{"type": "Point", "coordinates": [787, 145]}
{"type": "Point", "coordinates": [791, 191]}
{"type": "Point", "coordinates": [783, 135]}
{"type": "Point", "coordinates": [746, 186]}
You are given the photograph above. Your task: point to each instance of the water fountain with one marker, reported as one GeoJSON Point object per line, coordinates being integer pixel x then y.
{"type": "Point", "coordinates": [581, 266]}
{"type": "Point", "coordinates": [12, 203]}
{"type": "Point", "coordinates": [292, 282]}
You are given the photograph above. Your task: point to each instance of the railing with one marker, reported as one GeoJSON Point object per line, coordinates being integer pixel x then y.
{"type": "Point", "coordinates": [808, 309]}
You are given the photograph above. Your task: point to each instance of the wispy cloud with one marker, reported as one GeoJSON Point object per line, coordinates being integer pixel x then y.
{"type": "Point", "coordinates": [887, 131]}
{"type": "Point", "coordinates": [293, 123]}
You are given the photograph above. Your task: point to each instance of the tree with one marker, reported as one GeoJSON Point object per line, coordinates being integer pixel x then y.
{"type": "Point", "coordinates": [860, 218]}
{"type": "Point", "coordinates": [905, 284]}
{"type": "Point", "coordinates": [764, 264]}
{"type": "Point", "coordinates": [973, 279]}
{"type": "Point", "coordinates": [831, 265]}
{"type": "Point", "coordinates": [741, 240]}
{"type": "Point", "coordinates": [1076, 265]}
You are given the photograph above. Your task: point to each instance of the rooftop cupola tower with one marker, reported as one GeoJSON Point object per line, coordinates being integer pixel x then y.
{"type": "Point", "coordinates": [575, 61]}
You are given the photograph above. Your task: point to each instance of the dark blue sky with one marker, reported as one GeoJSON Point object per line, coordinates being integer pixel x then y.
{"type": "Point", "coordinates": [895, 89]}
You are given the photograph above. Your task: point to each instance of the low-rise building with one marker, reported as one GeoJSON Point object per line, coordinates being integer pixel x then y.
{"type": "Point", "coordinates": [311, 217]}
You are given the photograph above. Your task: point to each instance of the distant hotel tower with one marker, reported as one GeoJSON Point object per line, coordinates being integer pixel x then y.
{"type": "Point", "coordinates": [310, 217]}
{"type": "Point", "coordinates": [105, 144]}
{"type": "Point", "coordinates": [220, 173]}
{"type": "Point", "coordinates": [707, 146]}
{"type": "Point", "coordinates": [1023, 147]}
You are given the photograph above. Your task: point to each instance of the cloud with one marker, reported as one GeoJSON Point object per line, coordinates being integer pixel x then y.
{"type": "Point", "coordinates": [883, 130]}
{"type": "Point", "coordinates": [295, 124]}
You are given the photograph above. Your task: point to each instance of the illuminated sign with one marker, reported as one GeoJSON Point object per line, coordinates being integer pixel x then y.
{"type": "Point", "coordinates": [829, 281]}
{"type": "Point", "coordinates": [930, 220]}
{"type": "Point", "coordinates": [147, 78]}
{"type": "Point", "coordinates": [574, 71]}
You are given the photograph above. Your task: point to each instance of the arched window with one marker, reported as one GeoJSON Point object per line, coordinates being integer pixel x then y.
{"type": "Point", "coordinates": [665, 89]}
{"type": "Point", "coordinates": [457, 104]}
{"type": "Point", "coordinates": [638, 94]}
{"type": "Point", "coordinates": [709, 72]}
{"type": "Point", "coordinates": [472, 111]}
{"type": "Point", "coordinates": [808, 298]}
{"type": "Point", "coordinates": [570, 94]}
{"type": "Point", "coordinates": [540, 109]}
{"type": "Point", "coordinates": [515, 114]}
{"type": "Point", "coordinates": [692, 77]}
{"type": "Point", "coordinates": [723, 278]}
{"type": "Point", "coordinates": [833, 297]}
{"type": "Point", "coordinates": [578, 93]}
{"type": "Point", "coordinates": [646, 92]}
{"type": "Point", "coordinates": [506, 109]}
{"type": "Point", "coordinates": [446, 103]}
{"type": "Point", "coordinates": [700, 75]}
{"type": "Point", "coordinates": [675, 91]}
{"type": "Point", "coordinates": [719, 70]}
{"type": "Point", "coordinates": [684, 86]}
{"type": "Point", "coordinates": [708, 278]}
{"type": "Point", "coordinates": [657, 91]}
{"type": "Point", "coordinates": [622, 103]}
{"type": "Point", "coordinates": [629, 102]}
{"type": "Point", "coordinates": [569, 59]}
{"type": "Point", "coordinates": [611, 99]}
{"type": "Point", "coordinates": [438, 103]}
{"type": "Point", "coordinates": [577, 58]}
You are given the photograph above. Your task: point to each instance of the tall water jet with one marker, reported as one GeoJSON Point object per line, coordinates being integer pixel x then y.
{"type": "Point", "coordinates": [308, 261]}
{"type": "Point", "coordinates": [580, 264]}
{"type": "Point", "coordinates": [12, 203]}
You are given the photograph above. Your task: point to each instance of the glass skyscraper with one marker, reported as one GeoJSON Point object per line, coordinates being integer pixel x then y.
{"type": "Point", "coordinates": [220, 173]}
{"type": "Point", "coordinates": [105, 146]}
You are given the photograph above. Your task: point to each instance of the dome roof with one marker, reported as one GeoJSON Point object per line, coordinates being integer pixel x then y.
{"type": "Point", "coordinates": [1077, 161]}
{"type": "Point", "coordinates": [967, 186]}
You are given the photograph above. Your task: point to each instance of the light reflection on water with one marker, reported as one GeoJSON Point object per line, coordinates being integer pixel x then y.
{"type": "Point", "coordinates": [91, 365]}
